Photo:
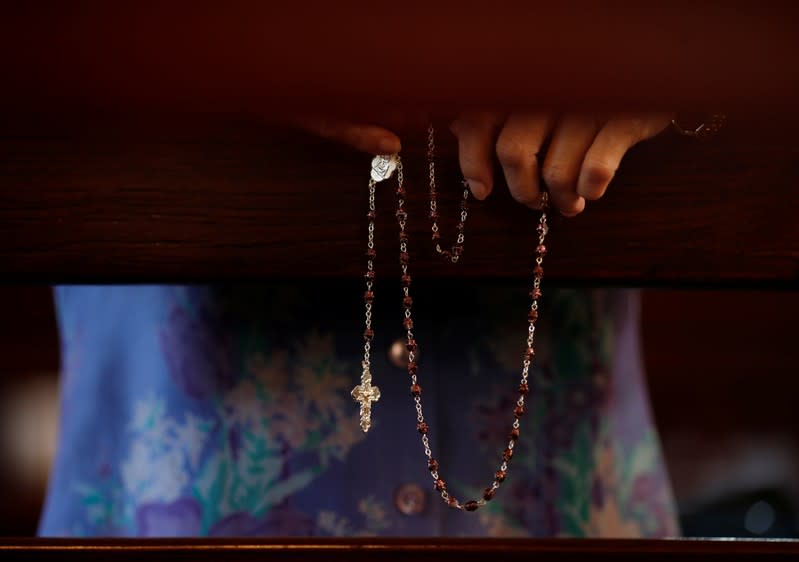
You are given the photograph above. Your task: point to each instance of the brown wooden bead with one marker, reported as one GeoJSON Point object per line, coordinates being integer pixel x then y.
{"type": "Point", "coordinates": [412, 367]}
{"type": "Point", "coordinates": [507, 454]}
{"type": "Point", "coordinates": [422, 428]}
{"type": "Point", "coordinates": [471, 505]}
{"type": "Point", "coordinates": [410, 345]}
{"type": "Point", "coordinates": [529, 353]}
{"type": "Point", "coordinates": [432, 465]}
{"type": "Point", "coordinates": [404, 258]}
{"type": "Point", "coordinates": [406, 280]}
{"type": "Point", "coordinates": [541, 250]}
{"type": "Point", "coordinates": [368, 334]}
{"type": "Point", "coordinates": [500, 476]}
{"type": "Point", "coordinates": [407, 323]}
{"type": "Point", "coordinates": [519, 410]}
{"type": "Point", "coordinates": [371, 253]}
{"type": "Point", "coordinates": [514, 434]}
{"type": "Point", "coordinates": [440, 485]}
{"type": "Point", "coordinates": [488, 495]}
{"type": "Point", "coordinates": [407, 302]}
{"type": "Point", "coordinates": [532, 316]}
{"type": "Point", "coordinates": [524, 388]}
{"type": "Point", "coordinates": [538, 271]}
{"type": "Point", "coordinates": [416, 390]}
{"type": "Point", "coordinates": [369, 296]}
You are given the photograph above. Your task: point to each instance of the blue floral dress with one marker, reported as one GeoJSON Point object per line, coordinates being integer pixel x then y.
{"type": "Point", "coordinates": [226, 410]}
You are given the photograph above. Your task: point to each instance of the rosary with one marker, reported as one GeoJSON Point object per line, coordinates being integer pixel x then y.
{"type": "Point", "coordinates": [365, 393]}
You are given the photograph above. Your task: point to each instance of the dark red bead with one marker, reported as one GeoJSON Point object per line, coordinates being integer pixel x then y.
{"type": "Point", "coordinates": [406, 280]}
{"type": "Point", "coordinates": [434, 215]}
{"type": "Point", "coordinates": [432, 465]}
{"type": "Point", "coordinates": [370, 275]}
{"type": "Point", "coordinates": [401, 192]}
{"type": "Point", "coordinates": [524, 388]}
{"type": "Point", "coordinates": [440, 485]}
{"type": "Point", "coordinates": [535, 293]}
{"type": "Point", "coordinates": [436, 235]}
{"type": "Point", "coordinates": [410, 345]}
{"type": "Point", "coordinates": [433, 195]}
{"type": "Point", "coordinates": [369, 296]}
{"type": "Point", "coordinates": [540, 229]}
{"type": "Point", "coordinates": [404, 258]}
{"type": "Point", "coordinates": [507, 454]}
{"type": "Point", "coordinates": [446, 254]}
{"type": "Point", "coordinates": [422, 428]}
{"type": "Point", "coordinates": [488, 495]}
{"type": "Point", "coordinates": [529, 353]}
{"type": "Point", "coordinates": [407, 302]}
{"type": "Point", "coordinates": [430, 154]}
{"type": "Point", "coordinates": [416, 390]}
{"type": "Point", "coordinates": [538, 271]}
{"type": "Point", "coordinates": [372, 215]}
{"type": "Point", "coordinates": [412, 368]}
{"type": "Point", "coordinates": [403, 236]}
{"type": "Point", "coordinates": [460, 226]}
{"type": "Point", "coordinates": [532, 316]}
{"type": "Point", "coordinates": [519, 410]}
{"type": "Point", "coordinates": [500, 476]}
{"type": "Point", "coordinates": [402, 215]}
{"type": "Point", "coordinates": [407, 323]}
{"type": "Point", "coordinates": [464, 205]}
{"type": "Point", "coordinates": [514, 434]}
{"type": "Point", "coordinates": [457, 250]}
{"type": "Point", "coordinates": [371, 253]}
{"type": "Point", "coordinates": [452, 501]}
{"type": "Point", "coordinates": [368, 334]}
{"type": "Point", "coordinates": [471, 505]}
{"type": "Point", "coordinates": [541, 250]}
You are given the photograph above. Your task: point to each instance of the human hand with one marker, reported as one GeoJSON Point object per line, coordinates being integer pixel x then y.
{"type": "Point", "coordinates": [581, 160]}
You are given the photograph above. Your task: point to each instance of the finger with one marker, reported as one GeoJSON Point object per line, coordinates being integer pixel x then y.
{"type": "Point", "coordinates": [518, 146]}
{"type": "Point", "coordinates": [366, 138]}
{"type": "Point", "coordinates": [571, 140]}
{"type": "Point", "coordinates": [611, 144]}
{"type": "Point", "coordinates": [476, 133]}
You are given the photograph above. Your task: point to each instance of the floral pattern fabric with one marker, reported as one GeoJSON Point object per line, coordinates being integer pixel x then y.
{"type": "Point", "coordinates": [225, 411]}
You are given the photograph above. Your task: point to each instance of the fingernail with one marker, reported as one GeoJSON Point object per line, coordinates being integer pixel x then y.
{"type": "Point", "coordinates": [389, 145]}
{"type": "Point", "coordinates": [479, 189]}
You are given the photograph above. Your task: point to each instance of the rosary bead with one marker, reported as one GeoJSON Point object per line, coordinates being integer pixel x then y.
{"type": "Point", "coordinates": [372, 215]}
{"type": "Point", "coordinates": [411, 345]}
{"type": "Point", "coordinates": [368, 334]}
{"type": "Point", "coordinates": [402, 215]}
{"type": "Point", "coordinates": [430, 154]}
{"type": "Point", "coordinates": [452, 501]}
{"type": "Point", "coordinates": [460, 226]}
{"type": "Point", "coordinates": [371, 253]}
{"type": "Point", "coordinates": [412, 367]}
{"type": "Point", "coordinates": [488, 495]}
{"type": "Point", "coordinates": [532, 316]}
{"type": "Point", "coordinates": [471, 505]}
{"type": "Point", "coordinates": [369, 296]}
{"type": "Point", "coordinates": [514, 434]}
{"type": "Point", "coordinates": [500, 476]}
{"type": "Point", "coordinates": [519, 410]}
{"type": "Point", "coordinates": [440, 485]}
{"type": "Point", "coordinates": [538, 271]}
{"type": "Point", "coordinates": [507, 454]}
{"type": "Point", "coordinates": [422, 428]}
{"type": "Point", "coordinates": [535, 293]}
{"type": "Point", "coordinates": [406, 280]}
{"type": "Point", "coordinates": [541, 250]}
{"type": "Point", "coordinates": [524, 388]}
{"type": "Point", "coordinates": [407, 323]}
{"type": "Point", "coordinates": [529, 353]}
{"type": "Point", "coordinates": [401, 193]}
{"type": "Point", "coordinates": [407, 302]}
{"type": "Point", "coordinates": [403, 236]}
{"type": "Point", "coordinates": [457, 250]}
{"type": "Point", "coordinates": [436, 235]}
{"type": "Point", "coordinates": [370, 275]}
{"type": "Point", "coordinates": [432, 465]}
{"type": "Point", "coordinates": [404, 258]}
{"type": "Point", "coordinates": [541, 228]}
{"type": "Point", "coordinates": [416, 390]}
{"type": "Point", "coordinates": [464, 205]}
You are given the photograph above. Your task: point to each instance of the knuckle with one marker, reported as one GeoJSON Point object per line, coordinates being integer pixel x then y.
{"type": "Point", "coordinates": [514, 154]}
{"type": "Point", "coordinates": [556, 176]}
{"type": "Point", "coordinates": [594, 178]}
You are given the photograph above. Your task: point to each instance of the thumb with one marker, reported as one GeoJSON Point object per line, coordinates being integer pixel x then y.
{"type": "Point", "coordinates": [366, 138]}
